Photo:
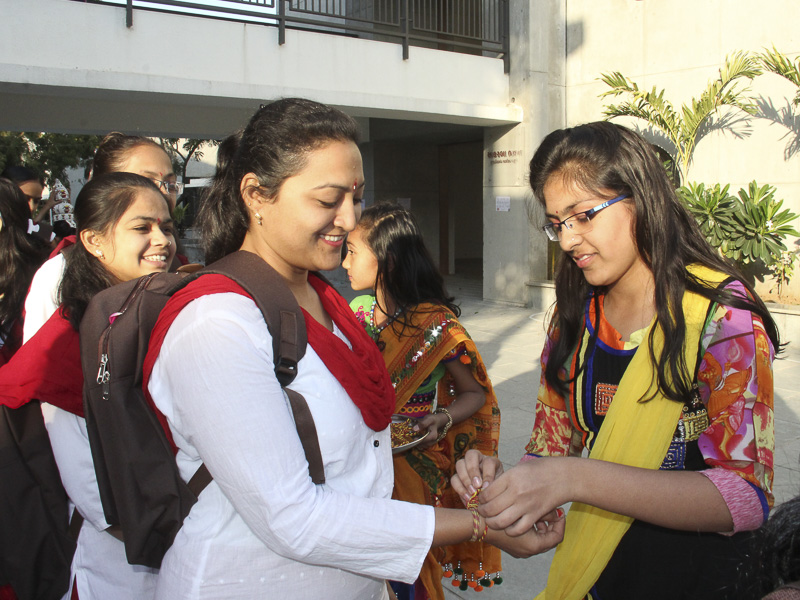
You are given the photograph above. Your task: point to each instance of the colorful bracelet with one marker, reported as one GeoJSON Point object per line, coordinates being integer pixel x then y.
{"type": "Point", "coordinates": [447, 427]}
{"type": "Point", "coordinates": [472, 506]}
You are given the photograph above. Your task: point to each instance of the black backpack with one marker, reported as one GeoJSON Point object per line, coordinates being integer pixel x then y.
{"type": "Point", "coordinates": [36, 539]}
{"type": "Point", "coordinates": [140, 486]}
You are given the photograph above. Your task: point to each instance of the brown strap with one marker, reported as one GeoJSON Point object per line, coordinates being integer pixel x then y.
{"type": "Point", "coordinates": [197, 484]}
{"type": "Point", "coordinates": [307, 431]}
{"type": "Point", "coordinates": [199, 480]}
{"type": "Point", "coordinates": [281, 312]}
{"type": "Point", "coordinates": [75, 524]}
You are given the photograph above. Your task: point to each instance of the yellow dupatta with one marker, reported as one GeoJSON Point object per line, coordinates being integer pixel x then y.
{"type": "Point", "coordinates": [633, 433]}
{"type": "Point", "coordinates": [411, 354]}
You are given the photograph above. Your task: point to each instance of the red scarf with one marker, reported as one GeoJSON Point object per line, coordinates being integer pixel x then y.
{"type": "Point", "coordinates": [65, 243]}
{"type": "Point", "coordinates": [360, 371]}
{"type": "Point", "coordinates": [46, 368]}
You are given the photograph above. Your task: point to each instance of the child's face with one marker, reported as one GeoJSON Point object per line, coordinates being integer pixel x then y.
{"type": "Point", "coordinates": [606, 254]}
{"type": "Point", "coordinates": [360, 262]}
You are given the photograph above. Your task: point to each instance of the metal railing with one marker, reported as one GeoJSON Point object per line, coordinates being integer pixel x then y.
{"type": "Point", "coordinates": [469, 26]}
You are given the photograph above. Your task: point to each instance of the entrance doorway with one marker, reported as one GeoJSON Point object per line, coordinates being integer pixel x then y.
{"type": "Point", "coordinates": [461, 217]}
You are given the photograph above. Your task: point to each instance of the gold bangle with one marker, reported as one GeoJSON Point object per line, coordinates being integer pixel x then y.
{"type": "Point", "coordinates": [446, 427]}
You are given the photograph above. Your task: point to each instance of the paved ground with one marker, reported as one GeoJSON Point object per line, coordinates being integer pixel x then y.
{"type": "Point", "coordinates": [510, 340]}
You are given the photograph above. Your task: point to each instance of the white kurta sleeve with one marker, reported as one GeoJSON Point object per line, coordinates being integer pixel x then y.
{"type": "Point", "coordinates": [214, 381]}
{"type": "Point", "coordinates": [42, 299]}
{"type": "Point", "coordinates": [67, 432]}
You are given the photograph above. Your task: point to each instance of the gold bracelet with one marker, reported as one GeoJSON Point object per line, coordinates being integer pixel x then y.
{"type": "Point", "coordinates": [446, 427]}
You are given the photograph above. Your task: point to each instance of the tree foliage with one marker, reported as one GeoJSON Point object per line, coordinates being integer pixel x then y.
{"type": "Point", "coordinates": [684, 127]}
{"type": "Point", "coordinates": [49, 154]}
{"type": "Point", "coordinates": [182, 150]}
{"type": "Point", "coordinates": [773, 61]}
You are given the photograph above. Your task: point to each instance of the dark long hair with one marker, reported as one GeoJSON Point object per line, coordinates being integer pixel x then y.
{"type": "Point", "coordinates": [777, 550]}
{"type": "Point", "coordinates": [406, 271]}
{"type": "Point", "coordinates": [19, 174]}
{"type": "Point", "coordinates": [20, 254]}
{"type": "Point", "coordinates": [274, 146]}
{"type": "Point", "coordinates": [601, 157]}
{"type": "Point", "coordinates": [114, 151]}
{"type": "Point", "coordinates": [98, 207]}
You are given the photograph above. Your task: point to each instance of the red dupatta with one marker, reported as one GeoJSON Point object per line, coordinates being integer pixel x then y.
{"type": "Point", "coordinates": [46, 368]}
{"type": "Point", "coordinates": [360, 371]}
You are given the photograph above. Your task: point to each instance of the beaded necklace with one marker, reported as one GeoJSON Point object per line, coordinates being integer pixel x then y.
{"type": "Point", "coordinates": [377, 329]}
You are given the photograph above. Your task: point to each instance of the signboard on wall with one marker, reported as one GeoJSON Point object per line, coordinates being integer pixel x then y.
{"type": "Point", "coordinates": [502, 203]}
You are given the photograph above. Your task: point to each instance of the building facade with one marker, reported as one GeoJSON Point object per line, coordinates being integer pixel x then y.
{"type": "Point", "coordinates": [449, 122]}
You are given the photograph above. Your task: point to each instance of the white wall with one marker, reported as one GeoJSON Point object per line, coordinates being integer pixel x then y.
{"type": "Point", "coordinates": [679, 46]}
{"type": "Point", "coordinates": [176, 75]}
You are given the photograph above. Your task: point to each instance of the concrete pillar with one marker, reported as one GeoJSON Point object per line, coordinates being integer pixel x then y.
{"type": "Point", "coordinates": [515, 251]}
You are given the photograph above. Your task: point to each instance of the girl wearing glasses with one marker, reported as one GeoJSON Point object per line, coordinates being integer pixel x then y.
{"type": "Point", "coordinates": [658, 363]}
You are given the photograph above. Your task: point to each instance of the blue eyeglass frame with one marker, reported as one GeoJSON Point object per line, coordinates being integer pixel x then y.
{"type": "Point", "coordinates": [586, 213]}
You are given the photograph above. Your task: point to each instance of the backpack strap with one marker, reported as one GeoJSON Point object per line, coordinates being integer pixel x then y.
{"type": "Point", "coordinates": [307, 431]}
{"type": "Point", "coordinates": [286, 324]}
{"type": "Point", "coordinates": [276, 302]}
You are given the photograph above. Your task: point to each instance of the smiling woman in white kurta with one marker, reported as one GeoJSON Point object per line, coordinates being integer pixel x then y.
{"type": "Point", "coordinates": [260, 529]}
{"type": "Point", "coordinates": [288, 190]}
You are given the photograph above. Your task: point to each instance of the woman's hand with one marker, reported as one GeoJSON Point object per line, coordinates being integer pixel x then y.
{"type": "Point", "coordinates": [523, 496]}
{"type": "Point", "coordinates": [474, 472]}
{"type": "Point", "coordinates": [545, 536]}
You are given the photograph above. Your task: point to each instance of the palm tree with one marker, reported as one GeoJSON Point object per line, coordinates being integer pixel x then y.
{"type": "Point", "coordinates": [683, 128]}
{"type": "Point", "coordinates": [774, 62]}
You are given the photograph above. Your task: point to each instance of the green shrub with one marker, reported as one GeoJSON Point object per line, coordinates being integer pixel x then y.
{"type": "Point", "coordinates": [750, 228]}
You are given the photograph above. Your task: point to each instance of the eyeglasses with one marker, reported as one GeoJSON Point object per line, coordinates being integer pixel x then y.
{"type": "Point", "coordinates": [579, 223]}
{"type": "Point", "coordinates": [173, 188]}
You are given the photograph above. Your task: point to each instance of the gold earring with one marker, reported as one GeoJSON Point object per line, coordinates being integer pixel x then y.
{"type": "Point", "coordinates": [100, 254]}
{"type": "Point", "coordinates": [259, 219]}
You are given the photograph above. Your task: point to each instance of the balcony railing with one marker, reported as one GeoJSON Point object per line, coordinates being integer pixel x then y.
{"type": "Point", "coordinates": [469, 26]}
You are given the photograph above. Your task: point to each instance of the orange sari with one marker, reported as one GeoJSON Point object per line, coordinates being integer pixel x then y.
{"type": "Point", "coordinates": [432, 333]}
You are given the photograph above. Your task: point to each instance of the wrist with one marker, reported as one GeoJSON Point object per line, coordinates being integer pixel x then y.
{"type": "Point", "coordinates": [574, 475]}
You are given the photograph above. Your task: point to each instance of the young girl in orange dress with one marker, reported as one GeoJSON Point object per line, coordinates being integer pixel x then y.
{"type": "Point", "coordinates": [438, 376]}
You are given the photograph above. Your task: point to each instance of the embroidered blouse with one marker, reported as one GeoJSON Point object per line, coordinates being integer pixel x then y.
{"type": "Point", "coordinates": [727, 426]}
{"type": "Point", "coordinates": [423, 401]}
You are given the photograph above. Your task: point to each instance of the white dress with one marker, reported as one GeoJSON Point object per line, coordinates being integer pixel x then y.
{"type": "Point", "coordinates": [262, 529]}
{"type": "Point", "coordinates": [99, 564]}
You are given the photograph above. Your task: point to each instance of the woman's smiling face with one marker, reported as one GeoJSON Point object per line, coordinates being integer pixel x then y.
{"type": "Point", "coordinates": [304, 227]}
{"type": "Point", "coordinates": [142, 241]}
